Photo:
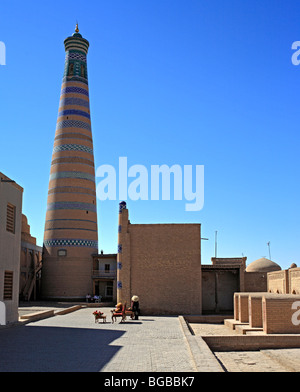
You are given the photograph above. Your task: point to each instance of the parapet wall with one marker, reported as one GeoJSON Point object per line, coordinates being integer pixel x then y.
{"type": "Point", "coordinates": [284, 282]}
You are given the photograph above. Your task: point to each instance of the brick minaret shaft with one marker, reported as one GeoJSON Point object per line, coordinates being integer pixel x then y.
{"type": "Point", "coordinates": [70, 236]}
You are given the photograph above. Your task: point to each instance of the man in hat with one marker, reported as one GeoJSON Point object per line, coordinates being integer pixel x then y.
{"type": "Point", "coordinates": [135, 306]}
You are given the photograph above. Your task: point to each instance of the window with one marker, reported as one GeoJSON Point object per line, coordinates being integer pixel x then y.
{"type": "Point", "coordinates": [8, 285]}
{"type": "Point", "coordinates": [107, 267]}
{"type": "Point", "coordinates": [10, 218]}
{"type": "Point", "coordinates": [61, 252]}
{"type": "Point", "coordinates": [109, 290]}
{"type": "Point", "coordinates": [71, 69]}
{"type": "Point", "coordinates": [82, 71]}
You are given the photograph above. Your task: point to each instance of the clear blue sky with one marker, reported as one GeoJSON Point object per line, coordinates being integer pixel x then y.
{"type": "Point", "coordinates": [171, 82]}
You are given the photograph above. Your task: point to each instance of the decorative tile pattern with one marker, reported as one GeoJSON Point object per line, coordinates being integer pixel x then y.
{"type": "Point", "coordinates": [73, 159]}
{"type": "Point", "coordinates": [72, 147]}
{"type": "Point", "coordinates": [72, 189]}
{"type": "Point", "coordinates": [75, 56]}
{"type": "Point", "coordinates": [76, 78]}
{"type": "Point", "coordinates": [74, 101]}
{"type": "Point", "coordinates": [73, 112]}
{"type": "Point", "coordinates": [119, 284]}
{"type": "Point", "coordinates": [122, 206]}
{"type": "Point", "coordinates": [119, 229]}
{"type": "Point", "coordinates": [72, 174]}
{"type": "Point", "coordinates": [71, 205]}
{"type": "Point", "coordinates": [71, 242]}
{"type": "Point", "coordinates": [119, 265]}
{"type": "Point", "coordinates": [73, 124]}
{"type": "Point", "coordinates": [68, 228]}
{"type": "Point", "coordinates": [67, 135]}
{"type": "Point", "coordinates": [119, 248]}
{"type": "Point", "coordinates": [71, 219]}
{"type": "Point", "coordinates": [76, 90]}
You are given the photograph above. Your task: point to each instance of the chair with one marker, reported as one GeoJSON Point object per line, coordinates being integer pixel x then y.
{"type": "Point", "coordinates": [129, 313]}
{"type": "Point", "coordinates": [121, 314]}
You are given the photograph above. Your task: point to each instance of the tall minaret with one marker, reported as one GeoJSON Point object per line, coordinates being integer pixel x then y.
{"type": "Point", "coordinates": [70, 236]}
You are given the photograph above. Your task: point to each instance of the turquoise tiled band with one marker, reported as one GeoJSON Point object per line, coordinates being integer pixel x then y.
{"type": "Point", "coordinates": [71, 205]}
{"type": "Point", "coordinates": [71, 174]}
{"type": "Point", "coordinates": [71, 242]}
{"type": "Point", "coordinates": [72, 147]}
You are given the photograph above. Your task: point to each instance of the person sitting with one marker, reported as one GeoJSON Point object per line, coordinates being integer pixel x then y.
{"type": "Point", "coordinates": [96, 298]}
{"type": "Point", "coordinates": [118, 308]}
{"type": "Point", "coordinates": [88, 298]}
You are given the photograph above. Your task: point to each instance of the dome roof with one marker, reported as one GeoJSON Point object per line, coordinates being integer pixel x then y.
{"type": "Point", "coordinates": [263, 265]}
{"type": "Point", "coordinates": [293, 265]}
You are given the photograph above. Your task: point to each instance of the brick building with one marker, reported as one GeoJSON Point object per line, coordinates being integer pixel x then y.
{"type": "Point", "coordinates": [30, 264]}
{"type": "Point", "coordinates": [161, 263]}
{"type": "Point", "coordinates": [11, 195]}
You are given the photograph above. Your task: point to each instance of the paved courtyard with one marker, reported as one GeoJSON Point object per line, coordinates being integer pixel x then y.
{"type": "Point", "coordinates": [74, 342]}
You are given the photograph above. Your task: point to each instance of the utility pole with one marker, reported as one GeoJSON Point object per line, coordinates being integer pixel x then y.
{"type": "Point", "coordinates": [216, 243]}
{"type": "Point", "coordinates": [268, 243]}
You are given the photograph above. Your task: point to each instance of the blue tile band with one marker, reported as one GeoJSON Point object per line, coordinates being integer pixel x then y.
{"type": "Point", "coordinates": [72, 147]}
{"type": "Point", "coordinates": [74, 101]}
{"type": "Point", "coordinates": [73, 112]}
{"type": "Point", "coordinates": [71, 205]}
{"type": "Point", "coordinates": [73, 124]}
{"type": "Point", "coordinates": [71, 174]}
{"type": "Point", "coordinates": [71, 242]}
{"type": "Point", "coordinates": [76, 90]}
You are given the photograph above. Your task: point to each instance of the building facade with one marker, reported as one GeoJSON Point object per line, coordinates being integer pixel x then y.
{"type": "Point", "coordinates": [161, 263]}
{"type": "Point", "coordinates": [105, 277]}
{"type": "Point", "coordinates": [11, 195]}
{"type": "Point", "coordinates": [70, 236]}
{"type": "Point", "coordinates": [30, 264]}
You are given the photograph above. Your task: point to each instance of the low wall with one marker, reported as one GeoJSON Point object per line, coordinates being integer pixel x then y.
{"type": "Point", "coordinates": [281, 314]}
{"type": "Point", "coordinates": [251, 342]}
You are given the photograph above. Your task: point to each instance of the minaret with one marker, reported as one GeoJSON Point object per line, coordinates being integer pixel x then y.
{"type": "Point", "coordinates": [70, 237]}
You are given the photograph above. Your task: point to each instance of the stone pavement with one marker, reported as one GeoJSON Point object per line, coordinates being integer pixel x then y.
{"type": "Point", "coordinates": [75, 343]}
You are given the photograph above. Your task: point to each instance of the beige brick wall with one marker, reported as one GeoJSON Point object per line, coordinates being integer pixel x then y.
{"type": "Point", "coordinates": [236, 306]}
{"type": "Point", "coordinates": [255, 311]}
{"type": "Point", "coordinates": [67, 277]}
{"type": "Point", "coordinates": [255, 281]}
{"type": "Point", "coordinates": [243, 308]}
{"type": "Point", "coordinates": [294, 280]}
{"type": "Point", "coordinates": [278, 314]}
{"type": "Point", "coordinates": [161, 263]}
{"type": "Point", "coordinates": [278, 282]}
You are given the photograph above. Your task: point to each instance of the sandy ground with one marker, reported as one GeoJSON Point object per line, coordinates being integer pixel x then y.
{"type": "Point", "coordinates": [276, 360]}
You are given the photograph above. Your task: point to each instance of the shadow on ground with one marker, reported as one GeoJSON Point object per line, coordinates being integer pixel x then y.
{"type": "Point", "coordinates": [54, 349]}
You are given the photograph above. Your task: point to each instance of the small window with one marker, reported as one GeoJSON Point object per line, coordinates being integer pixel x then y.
{"type": "Point", "coordinates": [82, 71]}
{"type": "Point", "coordinates": [62, 253]}
{"type": "Point", "coordinates": [109, 290]}
{"type": "Point", "coordinates": [8, 285]}
{"type": "Point", "coordinates": [71, 69]}
{"type": "Point", "coordinates": [107, 267]}
{"type": "Point", "coordinates": [10, 218]}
